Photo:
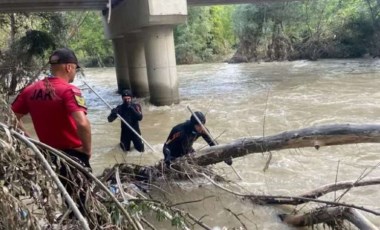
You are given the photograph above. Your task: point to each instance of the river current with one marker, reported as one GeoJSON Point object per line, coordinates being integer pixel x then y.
{"type": "Point", "coordinates": [252, 100]}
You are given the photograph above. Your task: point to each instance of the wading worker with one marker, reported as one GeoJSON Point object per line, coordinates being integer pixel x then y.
{"type": "Point", "coordinates": [58, 111]}
{"type": "Point", "coordinates": [131, 112]}
{"type": "Point", "coordinates": [182, 136]}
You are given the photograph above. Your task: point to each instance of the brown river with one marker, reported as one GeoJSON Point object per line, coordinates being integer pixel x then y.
{"type": "Point", "coordinates": [249, 100]}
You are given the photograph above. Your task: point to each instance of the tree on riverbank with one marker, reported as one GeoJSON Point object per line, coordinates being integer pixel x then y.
{"type": "Point", "coordinates": [31, 38]}
{"type": "Point", "coordinates": [307, 30]}
{"type": "Point", "coordinates": [86, 36]}
{"type": "Point", "coordinates": [206, 36]}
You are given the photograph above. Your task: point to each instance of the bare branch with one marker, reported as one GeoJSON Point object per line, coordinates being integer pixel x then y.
{"type": "Point", "coordinates": [340, 186]}
{"type": "Point", "coordinates": [292, 200]}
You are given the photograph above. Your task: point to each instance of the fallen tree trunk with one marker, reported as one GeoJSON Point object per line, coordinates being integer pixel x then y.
{"type": "Point", "coordinates": [326, 135]}
{"type": "Point", "coordinates": [329, 215]}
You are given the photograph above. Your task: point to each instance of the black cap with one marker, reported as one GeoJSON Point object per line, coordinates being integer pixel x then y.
{"type": "Point", "coordinates": [200, 116]}
{"type": "Point", "coordinates": [63, 56]}
{"type": "Point", "coordinates": [126, 93]}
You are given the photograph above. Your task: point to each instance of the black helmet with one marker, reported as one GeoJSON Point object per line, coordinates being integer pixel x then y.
{"type": "Point", "coordinates": [200, 116]}
{"type": "Point", "coordinates": [126, 92]}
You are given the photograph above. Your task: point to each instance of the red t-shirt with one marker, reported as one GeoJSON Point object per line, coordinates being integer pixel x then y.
{"type": "Point", "coordinates": [51, 112]}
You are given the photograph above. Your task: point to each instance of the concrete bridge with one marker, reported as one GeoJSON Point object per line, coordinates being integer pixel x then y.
{"type": "Point", "coordinates": [142, 35]}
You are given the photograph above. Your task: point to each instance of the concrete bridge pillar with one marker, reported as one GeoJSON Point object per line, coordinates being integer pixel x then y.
{"type": "Point", "coordinates": [121, 63]}
{"type": "Point", "coordinates": [161, 65]}
{"type": "Point", "coordinates": [155, 19]}
{"type": "Point", "coordinates": [137, 65]}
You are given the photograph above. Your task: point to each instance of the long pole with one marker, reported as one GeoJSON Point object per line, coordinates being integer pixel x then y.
{"type": "Point", "coordinates": [121, 118]}
{"type": "Point", "coordinates": [201, 124]}
{"type": "Point", "coordinates": [209, 134]}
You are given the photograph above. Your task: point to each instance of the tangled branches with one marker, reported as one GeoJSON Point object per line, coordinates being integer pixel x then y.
{"type": "Point", "coordinates": [36, 194]}
{"type": "Point", "coordinates": [33, 200]}
{"type": "Point", "coordinates": [33, 197]}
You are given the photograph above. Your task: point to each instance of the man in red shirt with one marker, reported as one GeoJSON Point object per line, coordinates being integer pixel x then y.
{"type": "Point", "coordinates": [58, 110]}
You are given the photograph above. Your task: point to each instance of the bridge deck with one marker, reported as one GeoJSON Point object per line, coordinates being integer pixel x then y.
{"type": "Point", "coordinates": [68, 5]}
{"type": "Point", "coordinates": [51, 5]}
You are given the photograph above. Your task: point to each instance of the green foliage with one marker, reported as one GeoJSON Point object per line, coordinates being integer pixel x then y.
{"type": "Point", "coordinates": [86, 37]}
{"type": "Point", "coordinates": [161, 215]}
{"type": "Point", "coordinates": [221, 31]}
{"type": "Point", "coordinates": [35, 43]}
{"type": "Point", "coordinates": [191, 39]}
{"type": "Point", "coordinates": [206, 36]}
{"type": "Point", "coordinates": [178, 221]}
{"type": "Point", "coordinates": [308, 29]}
{"type": "Point", "coordinates": [28, 42]}
{"type": "Point", "coordinates": [55, 24]}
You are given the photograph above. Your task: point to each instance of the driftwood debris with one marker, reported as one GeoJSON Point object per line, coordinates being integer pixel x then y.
{"type": "Point", "coordinates": [30, 199]}
{"type": "Point", "coordinates": [318, 136]}
{"type": "Point", "coordinates": [334, 213]}
{"type": "Point", "coordinates": [329, 215]}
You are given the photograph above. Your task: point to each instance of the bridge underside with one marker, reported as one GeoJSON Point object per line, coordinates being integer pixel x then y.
{"type": "Point", "coordinates": [80, 5]}
{"type": "Point", "coordinates": [51, 5]}
{"type": "Point", "coordinates": [230, 2]}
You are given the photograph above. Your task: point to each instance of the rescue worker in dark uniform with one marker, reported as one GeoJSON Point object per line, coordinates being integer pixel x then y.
{"type": "Point", "coordinates": [132, 114]}
{"type": "Point", "coordinates": [182, 136]}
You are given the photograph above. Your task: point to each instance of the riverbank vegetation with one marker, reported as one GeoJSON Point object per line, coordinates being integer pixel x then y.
{"type": "Point", "coordinates": [308, 30]}
{"type": "Point", "coordinates": [281, 31]}
{"type": "Point", "coordinates": [234, 33]}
